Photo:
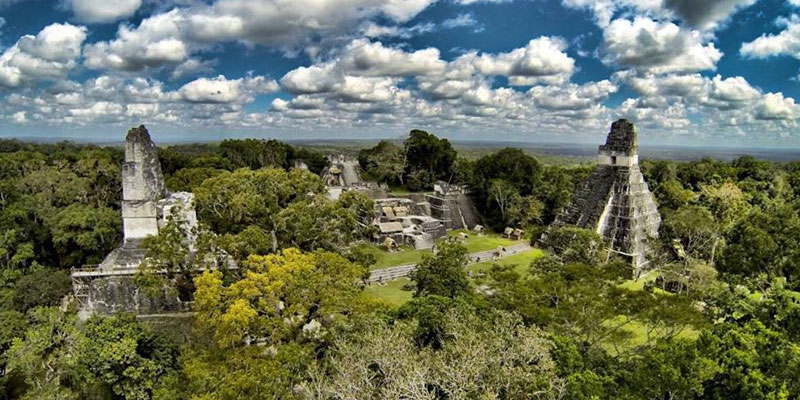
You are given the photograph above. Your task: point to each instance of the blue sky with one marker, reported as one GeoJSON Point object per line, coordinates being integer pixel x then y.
{"type": "Point", "coordinates": [719, 72]}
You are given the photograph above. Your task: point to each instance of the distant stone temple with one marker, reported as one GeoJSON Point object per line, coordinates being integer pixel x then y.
{"type": "Point", "coordinates": [146, 206]}
{"type": "Point", "coordinates": [344, 174]}
{"type": "Point", "coordinates": [615, 201]}
{"type": "Point", "coordinates": [453, 205]}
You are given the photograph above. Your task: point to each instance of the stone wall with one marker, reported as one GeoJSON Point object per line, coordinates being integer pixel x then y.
{"type": "Point", "coordinates": [142, 185]}
{"type": "Point", "coordinates": [119, 293]}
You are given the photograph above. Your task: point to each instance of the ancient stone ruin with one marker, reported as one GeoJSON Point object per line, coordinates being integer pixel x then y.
{"type": "Point", "coordinates": [344, 174]}
{"type": "Point", "coordinates": [407, 222]}
{"type": "Point", "coordinates": [146, 207]}
{"type": "Point", "coordinates": [452, 204]}
{"type": "Point", "coordinates": [419, 219]}
{"type": "Point", "coordinates": [615, 201]}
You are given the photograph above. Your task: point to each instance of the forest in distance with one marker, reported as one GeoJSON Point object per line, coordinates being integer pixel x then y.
{"type": "Point", "coordinates": [717, 316]}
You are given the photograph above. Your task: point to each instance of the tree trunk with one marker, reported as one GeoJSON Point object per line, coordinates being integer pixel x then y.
{"type": "Point", "coordinates": [713, 251]}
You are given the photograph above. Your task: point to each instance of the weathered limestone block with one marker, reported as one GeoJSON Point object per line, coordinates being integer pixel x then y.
{"type": "Point", "coordinates": [142, 168]}
{"type": "Point", "coordinates": [139, 218]}
{"type": "Point", "coordinates": [142, 185]}
{"type": "Point", "coordinates": [452, 204]}
{"type": "Point", "coordinates": [182, 203]}
{"type": "Point", "coordinates": [119, 293]}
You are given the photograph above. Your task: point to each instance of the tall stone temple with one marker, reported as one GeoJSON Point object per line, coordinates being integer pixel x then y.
{"type": "Point", "coordinates": [615, 201]}
{"type": "Point", "coordinates": [146, 207]}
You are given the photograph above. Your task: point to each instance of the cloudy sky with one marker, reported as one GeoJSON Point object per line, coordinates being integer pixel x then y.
{"type": "Point", "coordinates": [723, 72]}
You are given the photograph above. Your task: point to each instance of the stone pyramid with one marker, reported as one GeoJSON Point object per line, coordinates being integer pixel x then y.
{"type": "Point", "coordinates": [615, 201]}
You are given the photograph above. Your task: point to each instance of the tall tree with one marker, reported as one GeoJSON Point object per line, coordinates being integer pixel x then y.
{"type": "Point", "coordinates": [386, 162]}
{"type": "Point", "coordinates": [485, 357]}
{"type": "Point", "coordinates": [281, 297]}
{"type": "Point", "coordinates": [426, 152]}
{"type": "Point", "coordinates": [443, 274]}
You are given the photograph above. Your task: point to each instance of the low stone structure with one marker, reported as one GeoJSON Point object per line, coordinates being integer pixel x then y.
{"type": "Point", "coordinates": [615, 201]}
{"type": "Point", "coordinates": [405, 222]}
{"type": "Point", "coordinates": [146, 206]}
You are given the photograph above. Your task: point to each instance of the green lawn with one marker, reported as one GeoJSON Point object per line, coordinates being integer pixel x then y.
{"type": "Point", "coordinates": [407, 255]}
{"type": "Point", "coordinates": [637, 334]}
{"type": "Point", "coordinates": [392, 292]}
{"type": "Point", "coordinates": [488, 241]}
{"type": "Point", "coordinates": [386, 259]}
{"type": "Point", "coordinates": [399, 191]}
{"type": "Point", "coordinates": [637, 285]}
{"type": "Point", "coordinates": [522, 261]}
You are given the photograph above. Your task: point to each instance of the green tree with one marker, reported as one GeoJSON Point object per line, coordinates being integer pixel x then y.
{"type": "Point", "coordinates": [764, 242]}
{"type": "Point", "coordinates": [14, 252]}
{"type": "Point", "coordinates": [83, 234]}
{"type": "Point", "coordinates": [502, 194]}
{"type": "Point", "coordinates": [252, 372]}
{"type": "Point", "coordinates": [672, 195]}
{"type": "Point", "coordinates": [754, 361]}
{"type": "Point", "coordinates": [13, 327]}
{"type": "Point", "coordinates": [169, 259]}
{"type": "Point", "coordinates": [127, 357]}
{"type": "Point", "coordinates": [386, 162]}
{"type": "Point", "coordinates": [556, 189]}
{"type": "Point", "coordinates": [48, 358]}
{"type": "Point", "coordinates": [42, 287]}
{"type": "Point", "coordinates": [524, 211]}
{"type": "Point", "coordinates": [484, 358]}
{"type": "Point", "coordinates": [505, 172]}
{"type": "Point", "coordinates": [672, 369]}
{"type": "Point", "coordinates": [695, 229]}
{"type": "Point", "coordinates": [426, 152]}
{"type": "Point", "coordinates": [576, 245]}
{"type": "Point", "coordinates": [255, 154]}
{"type": "Point", "coordinates": [726, 201]}
{"type": "Point", "coordinates": [319, 223]}
{"type": "Point", "coordinates": [443, 274]}
{"type": "Point", "coordinates": [230, 202]}
{"type": "Point", "coordinates": [187, 179]}
{"type": "Point", "coordinates": [281, 297]}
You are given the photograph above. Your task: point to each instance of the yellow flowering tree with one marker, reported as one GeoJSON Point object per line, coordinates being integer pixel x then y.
{"type": "Point", "coordinates": [281, 297]}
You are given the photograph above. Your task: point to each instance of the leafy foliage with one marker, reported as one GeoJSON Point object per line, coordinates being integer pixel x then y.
{"type": "Point", "coordinates": [281, 297]}
{"type": "Point", "coordinates": [498, 357]}
{"type": "Point", "coordinates": [443, 274]}
{"type": "Point", "coordinates": [719, 318]}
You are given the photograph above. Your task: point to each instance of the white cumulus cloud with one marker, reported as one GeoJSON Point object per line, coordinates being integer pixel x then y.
{"type": "Point", "coordinates": [706, 14]}
{"type": "Point", "coordinates": [701, 14]}
{"type": "Point", "coordinates": [787, 42]}
{"type": "Point", "coordinates": [156, 42]}
{"type": "Point", "coordinates": [222, 90]}
{"type": "Point", "coordinates": [658, 47]}
{"type": "Point", "coordinates": [171, 38]}
{"type": "Point", "coordinates": [19, 117]}
{"type": "Point", "coordinates": [103, 11]}
{"type": "Point", "coordinates": [361, 59]}
{"type": "Point", "coordinates": [775, 106]}
{"type": "Point", "coordinates": [51, 54]}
